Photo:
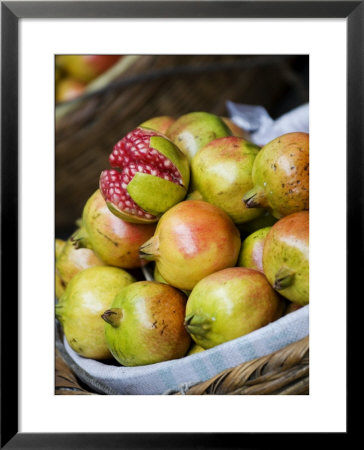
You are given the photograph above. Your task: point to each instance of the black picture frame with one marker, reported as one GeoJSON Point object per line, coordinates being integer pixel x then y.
{"type": "Point", "coordinates": [11, 13]}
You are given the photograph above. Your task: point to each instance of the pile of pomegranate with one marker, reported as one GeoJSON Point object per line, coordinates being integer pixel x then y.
{"type": "Point", "coordinates": [220, 223]}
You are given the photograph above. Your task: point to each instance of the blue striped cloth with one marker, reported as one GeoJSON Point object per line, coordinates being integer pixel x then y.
{"type": "Point", "coordinates": [180, 374]}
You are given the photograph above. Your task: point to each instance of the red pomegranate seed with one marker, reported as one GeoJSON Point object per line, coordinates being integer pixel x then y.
{"type": "Point", "coordinates": [131, 155]}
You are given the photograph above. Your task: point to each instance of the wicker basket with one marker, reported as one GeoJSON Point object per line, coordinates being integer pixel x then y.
{"type": "Point", "coordinates": [285, 372]}
{"type": "Point", "coordinates": [137, 89]}
{"type": "Point", "coordinates": [141, 87]}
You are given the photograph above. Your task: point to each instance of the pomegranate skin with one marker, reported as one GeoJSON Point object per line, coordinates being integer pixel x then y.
{"type": "Point", "coordinates": [230, 303]}
{"type": "Point", "coordinates": [192, 240]}
{"type": "Point", "coordinates": [114, 240]}
{"type": "Point", "coordinates": [286, 257]}
{"type": "Point", "coordinates": [159, 123]}
{"type": "Point", "coordinates": [281, 176]}
{"type": "Point", "coordinates": [222, 173]}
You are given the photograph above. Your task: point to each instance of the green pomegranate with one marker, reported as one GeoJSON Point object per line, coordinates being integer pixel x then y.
{"type": "Point", "coordinates": [286, 257]}
{"type": "Point", "coordinates": [251, 252]}
{"type": "Point", "coordinates": [149, 175]}
{"type": "Point", "coordinates": [281, 176]}
{"type": "Point", "coordinates": [145, 324]}
{"type": "Point", "coordinates": [222, 173]}
{"type": "Point", "coordinates": [230, 303]}
{"type": "Point", "coordinates": [158, 277]}
{"type": "Point", "coordinates": [115, 241]}
{"type": "Point", "coordinates": [192, 240]}
{"type": "Point", "coordinates": [159, 123]}
{"type": "Point", "coordinates": [194, 130]}
{"type": "Point", "coordinates": [73, 260]}
{"type": "Point", "coordinates": [79, 310]}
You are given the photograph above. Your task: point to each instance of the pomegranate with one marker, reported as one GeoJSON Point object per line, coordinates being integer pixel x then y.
{"type": "Point", "coordinates": [230, 303]}
{"type": "Point", "coordinates": [145, 324]}
{"type": "Point", "coordinates": [85, 68]}
{"type": "Point", "coordinates": [149, 175]}
{"type": "Point", "coordinates": [222, 173]}
{"type": "Point", "coordinates": [114, 240]}
{"type": "Point", "coordinates": [194, 130]}
{"type": "Point", "coordinates": [251, 252]}
{"type": "Point", "coordinates": [281, 176]}
{"type": "Point", "coordinates": [79, 309]}
{"type": "Point", "coordinates": [159, 123]}
{"type": "Point", "coordinates": [286, 257]}
{"type": "Point", "coordinates": [68, 89]}
{"type": "Point", "coordinates": [73, 260]}
{"type": "Point", "coordinates": [192, 240]}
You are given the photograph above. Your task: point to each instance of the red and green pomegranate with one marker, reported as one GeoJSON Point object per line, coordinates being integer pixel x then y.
{"type": "Point", "coordinates": [251, 252]}
{"type": "Point", "coordinates": [230, 303]}
{"type": "Point", "coordinates": [286, 257]}
{"type": "Point", "coordinates": [194, 130]}
{"type": "Point", "coordinates": [68, 89]}
{"type": "Point", "coordinates": [85, 68]}
{"type": "Point", "coordinates": [192, 240]}
{"type": "Point", "coordinates": [281, 176]}
{"type": "Point", "coordinates": [222, 173]}
{"type": "Point", "coordinates": [145, 324]}
{"type": "Point", "coordinates": [73, 260]}
{"type": "Point", "coordinates": [149, 175]}
{"type": "Point", "coordinates": [115, 241]}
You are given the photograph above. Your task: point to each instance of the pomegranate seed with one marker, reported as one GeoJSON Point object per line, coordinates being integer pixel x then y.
{"type": "Point", "coordinates": [131, 155]}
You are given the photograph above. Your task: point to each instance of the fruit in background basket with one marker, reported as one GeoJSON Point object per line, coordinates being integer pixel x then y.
{"type": "Point", "coordinates": [222, 173]}
{"type": "Point", "coordinates": [68, 89]}
{"type": "Point", "coordinates": [192, 131]}
{"type": "Point", "coordinates": [286, 257]}
{"type": "Point", "coordinates": [159, 123]}
{"type": "Point", "coordinates": [235, 129]}
{"type": "Point", "coordinates": [150, 175]}
{"type": "Point", "coordinates": [114, 240]}
{"type": "Point", "coordinates": [251, 252]}
{"type": "Point", "coordinates": [192, 240]}
{"type": "Point", "coordinates": [85, 68]}
{"type": "Point", "coordinates": [281, 176]}
{"type": "Point", "coordinates": [229, 304]}
{"type": "Point", "coordinates": [79, 310]}
{"type": "Point", "coordinates": [144, 324]}
{"type": "Point", "coordinates": [73, 260]}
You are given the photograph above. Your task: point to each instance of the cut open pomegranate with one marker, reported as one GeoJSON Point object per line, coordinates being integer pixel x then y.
{"type": "Point", "coordinates": [135, 154]}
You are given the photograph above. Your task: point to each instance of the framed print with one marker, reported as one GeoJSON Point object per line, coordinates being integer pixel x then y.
{"type": "Point", "coordinates": [238, 44]}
